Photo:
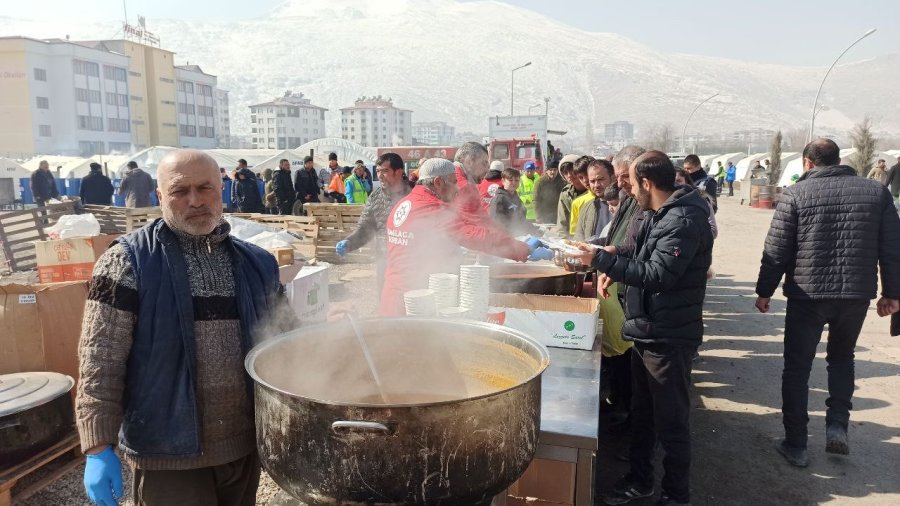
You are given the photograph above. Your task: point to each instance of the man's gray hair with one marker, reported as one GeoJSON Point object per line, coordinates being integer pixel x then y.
{"type": "Point", "coordinates": [470, 151]}
{"type": "Point", "coordinates": [428, 182]}
{"type": "Point", "coordinates": [628, 155]}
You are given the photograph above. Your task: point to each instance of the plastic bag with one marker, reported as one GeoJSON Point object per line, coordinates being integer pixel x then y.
{"type": "Point", "coordinates": [74, 225]}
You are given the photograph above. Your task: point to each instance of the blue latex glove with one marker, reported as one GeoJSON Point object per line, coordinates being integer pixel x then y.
{"type": "Point", "coordinates": [533, 243]}
{"type": "Point", "coordinates": [541, 253]}
{"type": "Point", "coordinates": [341, 248]}
{"type": "Point", "coordinates": [103, 478]}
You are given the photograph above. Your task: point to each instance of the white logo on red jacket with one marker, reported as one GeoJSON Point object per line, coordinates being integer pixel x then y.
{"type": "Point", "coordinates": [402, 213]}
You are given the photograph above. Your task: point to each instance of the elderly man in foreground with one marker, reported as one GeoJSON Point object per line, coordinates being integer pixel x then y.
{"type": "Point", "coordinates": [172, 310]}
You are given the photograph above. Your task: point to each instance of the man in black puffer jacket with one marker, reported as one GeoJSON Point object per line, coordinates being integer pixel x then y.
{"type": "Point", "coordinates": [831, 232]}
{"type": "Point", "coordinates": [665, 283]}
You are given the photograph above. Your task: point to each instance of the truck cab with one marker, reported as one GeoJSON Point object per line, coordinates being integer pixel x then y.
{"type": "Point", "coordinates": [515, 152]}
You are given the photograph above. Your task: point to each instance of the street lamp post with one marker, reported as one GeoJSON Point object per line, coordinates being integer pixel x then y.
{"type": "Point", "coordinates": [512, 86]}
{"type": "Point", "coordinates": [812, 122]}
{"type": "Point", "coordinates": [684, 128]}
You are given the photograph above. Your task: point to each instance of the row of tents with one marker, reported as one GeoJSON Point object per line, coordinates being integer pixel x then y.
{"type": "Point", "coordinates": [791, 162]}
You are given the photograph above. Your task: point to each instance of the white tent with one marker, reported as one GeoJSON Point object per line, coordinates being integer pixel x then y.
{"type": "Point", "coordinates": [77, 169]}
{"type": "Point", "coordinates": [53, 160]}
{"type": "Point", "coordinates": [706, 162]}
{"type": "Point", "coordinates": [295, 158]}
{"type": "Point", "coordinates": [795, 165]}
{"type": "Point", "coordinates": [729, 157]}
{"type": "Point", "coordinates": [147, 160]}
{"type": "Point", "coordinates": [347, 151]}
{"type": "Point", "coordinates": [228, 158]}
{"type": "Point", "coordinates": [10, 174]}
{"type": "Point", "coordinates": [745, 164]}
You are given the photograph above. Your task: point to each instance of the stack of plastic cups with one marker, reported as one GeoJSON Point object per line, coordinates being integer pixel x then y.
{"type": "Point", "coordinates": [445, 288]}
{"type": "Point", "coordinates": [454, 312]}
{"type": "Point", "coordinates": [475, 290]}
{"type": "Point", "coordinates": [420, 303]}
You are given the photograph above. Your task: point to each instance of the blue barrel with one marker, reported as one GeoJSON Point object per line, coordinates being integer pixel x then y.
{"type": "Point", "coordinates": [154, 200]}
{"type": "Point", "coordinates": [226, 193]}
{"type": "Point", "coordinates": [74, 187]}
{"type": "Point", "coordinates": [25, 189]}
{"type": "Point", "coordinates": [61, 186]}
{"type": "Point", "coordinates": [262, 188]}
{"type": "Point", "coordinates": [118, 200]}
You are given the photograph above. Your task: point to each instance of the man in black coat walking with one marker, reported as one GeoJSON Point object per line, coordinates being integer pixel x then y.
{"type": "Point", "coordinates": [665, 283]}
{"type": "Point", "coordinates": [892, 179]}
{"type": "Point", "coordinates": [306, 182]}
{"type": "Point", "coordinates": [830, 234]}
{"type": "Point", "coordinates": [96, 188]}
{"type": "Point", "coordinates": [282, 187]}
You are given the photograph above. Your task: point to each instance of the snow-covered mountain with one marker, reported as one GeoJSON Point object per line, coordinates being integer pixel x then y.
{"type": "Point", "coordinates": [451, 61]}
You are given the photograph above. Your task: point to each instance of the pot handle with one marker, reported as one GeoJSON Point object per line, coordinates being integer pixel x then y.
{"type": "Point", "coordinates": [342, 426]}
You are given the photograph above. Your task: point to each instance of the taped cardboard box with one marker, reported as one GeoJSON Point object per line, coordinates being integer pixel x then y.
{"type": "Point", "coordinates": [561, 322]}
{"type": "Point", "coordinates": [40, 326]}
{"type": "Point", "coordinates": [69, 259]}
{"type": "Point", "coordinates": [308, 293]}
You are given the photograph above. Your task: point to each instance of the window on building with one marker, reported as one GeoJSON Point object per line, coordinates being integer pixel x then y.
{"type": "Point", "coordinates": [133, 73]}
{"type": "Point", "coordinates": [252, 118]}
{"type": "Point", "coordinates": [84, 95]}
{"type": "Point", "coordinates": [137, 122]}
{"type": "Point", "coordinates": [42, 102]}
{"type": "Point", "coordinates": [166, 80]}
{"type": "Point", "coordinates": [86, 68]}
{"type": "Point", "coordinates": [186, 108]}
{"type": "Point", "coordinates": [205, 90]}
{"type": "Point", "coordinates": [170, 125]}
{"type": "Point", "coordinates": [44, 130]}
{"type": "Point", "coordinates": [90, 123]}
{"type": "Point", "coordinates": [90, 148]}
{"type": "Point", "coordinates": [323, 115]}
{"type": "Point", "coordinates": [117, 125]}
{"type": "Point", "coordinates": [40, 74]}
{"type": "Point", "coordinates": [187, 130]}
{"type": "Point", "coordinates": [114, 73]}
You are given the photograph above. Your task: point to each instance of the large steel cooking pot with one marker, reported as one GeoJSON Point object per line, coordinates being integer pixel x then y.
{"type": "Point", "coordinates": [539, 279]}
{"type": "Point", "coordinates": [35, 412]}
{"type": "Point", "coordinates": [457, 424]}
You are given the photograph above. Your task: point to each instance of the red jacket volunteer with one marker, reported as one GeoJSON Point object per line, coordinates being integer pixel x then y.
{"type": "Point", "coordinates": [424, 236]}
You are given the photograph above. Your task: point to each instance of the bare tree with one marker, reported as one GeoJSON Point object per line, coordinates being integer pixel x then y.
{"type": "Point", "coordinates": [863, 139]}
{"type": "Point", "coordinates": [796, 139]}
{"type": "Point", "coordinates": [775, 159]}
{"type": "Point", "coordinates": [658, 136]}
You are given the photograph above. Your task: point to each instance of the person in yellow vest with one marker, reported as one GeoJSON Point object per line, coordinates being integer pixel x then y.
{"type": "Point", "coordinates": [580, 172]}
{"type": "Point", "coordinates": [355, 186]}
{"type": "Point", "coordinates": [526, 189]}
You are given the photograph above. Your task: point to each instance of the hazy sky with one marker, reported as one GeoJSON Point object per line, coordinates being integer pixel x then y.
{"type": "Point", "coordinates": [801, 32]}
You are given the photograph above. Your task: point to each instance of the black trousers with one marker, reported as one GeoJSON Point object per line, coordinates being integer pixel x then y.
{"type": "Point", "coordinates": [660, 409]}
{"type": "Point", "coordinates": [731, 188]}
{"type": "Point", "coordinates": [231, 484]}
{"type": "Point", "coordinates": [803, 325]}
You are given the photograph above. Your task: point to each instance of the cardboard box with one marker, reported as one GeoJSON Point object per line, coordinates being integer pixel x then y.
{"type": "Point", "coordinates": [562, 322]}
{"type": "Point", "coordinates": [308, 293]}
{"type": "Point", "coordinates": [40, 326]}
{"type": "Point", "coordinates": [284, 256]}
{"type": "Point", "coordinates": [69, 259]}
{"type": "Point", "coordinates": [545, 482]}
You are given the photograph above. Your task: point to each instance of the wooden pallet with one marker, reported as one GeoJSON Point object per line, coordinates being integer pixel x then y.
{"type": "Point", "coordinates": [67, 452]}
{"type": "Point", "coordinates": [121, 220]}
{"type": "Point", "coordinates": [336, 222]}
{"type": "Point", "coordinates": [20, 229]}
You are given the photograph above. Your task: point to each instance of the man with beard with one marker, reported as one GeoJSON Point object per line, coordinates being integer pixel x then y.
{"type": "Point", "coordinates": [665, 283]}
{"type": "Point", "coordinates": [374, 217]}
{"type": "Point", "coordinates": [595, 214]}
{"type": "Point", "coordinates": [425, 232]}
{"type": "Point", "coordinates": [172, 311]}
{"type": "Point", "coordinates": [306, 183]}
{"type": "Point", "coordinates": [572, 191]}
{"type": "Point", "coordinates": [547, 190]}
{"type": "Point", "coordinates": [580, 174]}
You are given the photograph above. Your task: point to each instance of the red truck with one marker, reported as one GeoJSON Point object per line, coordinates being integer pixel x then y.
{"type": "Point", "coordinates": [515, 152]}
{"type": "Point", "coordinates": [412, 154]}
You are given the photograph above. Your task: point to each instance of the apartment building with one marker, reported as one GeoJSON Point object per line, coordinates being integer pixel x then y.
{"type": "Point", "coordinates": [374, 121]}
{"type": "Point", "coordinates": [433, 133]}
{"type": "Point", "coordinates": [223, 119]}
{"type": "Point", "coordinates": [286, 122]}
